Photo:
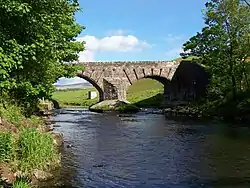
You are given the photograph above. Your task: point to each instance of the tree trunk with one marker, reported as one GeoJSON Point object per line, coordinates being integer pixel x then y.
{"type": "Point", "coordinates": [246, 79]}
{"type": "Point", "coordinates": [234, 89]}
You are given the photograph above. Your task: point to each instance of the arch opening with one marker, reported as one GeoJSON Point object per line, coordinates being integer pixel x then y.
{"type": "Point", "coordinates": [77, 91]}
{"type": "Point", "coordinates": [147, 92]}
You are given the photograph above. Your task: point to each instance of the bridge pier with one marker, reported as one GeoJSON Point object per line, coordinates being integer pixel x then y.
{"type": "Point", "coordinates": [115, 90]}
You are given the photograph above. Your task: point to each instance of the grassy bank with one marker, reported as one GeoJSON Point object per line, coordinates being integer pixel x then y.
{"type": "Point", "coordinates": [25, 146]}
{"type": "Point", "coordinates": [143, 93]}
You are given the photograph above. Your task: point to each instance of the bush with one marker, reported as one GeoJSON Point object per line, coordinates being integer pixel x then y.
{"type": "Point", "coordinates": [36, 149]}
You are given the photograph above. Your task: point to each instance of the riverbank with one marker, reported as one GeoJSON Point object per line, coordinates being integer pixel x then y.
{"type": "Point", "coordinates": [29, 149]}
{"type": "Point", "coordinates": [226, 110]}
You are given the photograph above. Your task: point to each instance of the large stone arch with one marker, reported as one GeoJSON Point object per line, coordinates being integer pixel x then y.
{"type": "Point", "coordinates": [163, 80]}
{"type": "Point", "coordinates": [96, 85]}
{"type": "Point", "coordinates": [112, 79]}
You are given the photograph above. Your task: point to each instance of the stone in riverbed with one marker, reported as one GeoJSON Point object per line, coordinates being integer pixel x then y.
{"type": "Point", "coordinates": [114, 105]}
{"type": "Point", "coordinates": [42, 175]}
{"type": "Point", "coordinates": [57, 139]}
{"type": "Point", "coordinates": [6, 174]}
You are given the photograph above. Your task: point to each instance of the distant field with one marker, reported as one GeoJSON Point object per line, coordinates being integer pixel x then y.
{"type": "Point", "coordinates": [142, 93]}
{"type": "Point", "coordinates": [74, 97]}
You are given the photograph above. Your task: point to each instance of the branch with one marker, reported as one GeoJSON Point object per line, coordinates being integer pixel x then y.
{"type": "Point", "coordinates": [247, 2]}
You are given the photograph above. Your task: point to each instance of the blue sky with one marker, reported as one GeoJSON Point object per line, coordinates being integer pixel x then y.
{"type": "Point", "coordinates": [129, 30]}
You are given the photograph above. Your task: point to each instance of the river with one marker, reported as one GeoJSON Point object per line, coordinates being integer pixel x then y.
{"type": "Point", "coordinates": [149, 150]}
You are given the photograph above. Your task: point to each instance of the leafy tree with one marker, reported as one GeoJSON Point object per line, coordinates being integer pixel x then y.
{"type": "Point", "coordinates": [37, 39]}
{"type": "Point", "coordinates": [223, 45]}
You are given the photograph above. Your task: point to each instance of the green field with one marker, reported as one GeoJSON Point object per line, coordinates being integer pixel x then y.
{"type": "Point", "coordinates": [143, 93]}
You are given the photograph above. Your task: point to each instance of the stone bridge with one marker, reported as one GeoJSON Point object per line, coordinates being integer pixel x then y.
{"type": "Point", "coordinates": [182, 80]}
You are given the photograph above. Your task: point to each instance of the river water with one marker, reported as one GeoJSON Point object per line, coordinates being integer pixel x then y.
{"type": "Point", "coordinates": [149, 150]}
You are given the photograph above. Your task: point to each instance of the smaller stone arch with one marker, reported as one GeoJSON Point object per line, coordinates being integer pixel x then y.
{"type": "Point", "coordinates": [96, 85]}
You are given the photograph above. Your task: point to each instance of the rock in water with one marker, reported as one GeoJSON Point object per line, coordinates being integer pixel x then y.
{"type": "Point", "coordinates": [42, 175]}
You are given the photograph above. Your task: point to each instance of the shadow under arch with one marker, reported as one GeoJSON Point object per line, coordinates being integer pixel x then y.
{"type": "Point", "coordinates": [148, 91]}
{"type": "Point", "coordinates": [193, 77]}
{"type": "Point", "coordinates": [98, 88]}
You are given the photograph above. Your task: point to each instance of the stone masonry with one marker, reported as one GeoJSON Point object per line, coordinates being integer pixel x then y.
{"type": "Point", "coordinates": [112, 79]}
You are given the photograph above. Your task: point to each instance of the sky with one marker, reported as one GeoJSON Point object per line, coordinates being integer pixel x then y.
{"type": "Point", "coordinates": [133, 30]}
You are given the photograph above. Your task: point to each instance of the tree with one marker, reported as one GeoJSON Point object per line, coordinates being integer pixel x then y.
{"type": "Point", "coordinates": [223, 45]}
{"type": "Point", "coordinates": [247, 2]}
{"type": "Point", "coordinates": [37, 41]}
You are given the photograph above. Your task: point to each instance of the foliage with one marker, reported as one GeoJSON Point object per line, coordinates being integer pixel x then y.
{"type": "Point", "coordinates": [6, 146]}
{"type": "Point", "coordinates": [35, 149]}
{"type": "Point", "coordinates": [223, 46]}
{"type": "Point", "coordinates": [37, 40]}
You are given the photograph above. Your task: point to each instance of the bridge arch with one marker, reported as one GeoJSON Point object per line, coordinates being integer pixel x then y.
{"type": "Point", "coordinates": [97, 86]}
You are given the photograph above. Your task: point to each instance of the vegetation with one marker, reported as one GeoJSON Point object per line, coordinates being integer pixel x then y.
{"type": "Point", "coordinates": [223, 47]}
{"type": "Point", "coordinates": [37, 44]}
{"type": "Point", "coordinates": [146, 93]}
{"type": "Point", "coordinates": [27, 149]}
{"type": "Point", "coordinates": [35, 48]}
{"type": "Point", "coordinates": [24, 144]}
{"type": "Point", "coordinates": [21, 184]}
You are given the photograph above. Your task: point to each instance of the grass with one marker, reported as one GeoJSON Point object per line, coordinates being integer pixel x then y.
{"type": "Point", "coordinates": [35, 149]}
{"type": "Point", "coordinates": [146, 93]}
{"type": "Point", "coordinates": [6, 146]}
{"type": "Point", "coordinates": [74, 97]}
{"type": "Point", "coordinates": [23, 146]}
{"type": "Point", "coordinates": [21, 184]}
{"type": "Point", "coordinates": [143, 93]}
{"type": "Point", "coordinates": [190, 58]}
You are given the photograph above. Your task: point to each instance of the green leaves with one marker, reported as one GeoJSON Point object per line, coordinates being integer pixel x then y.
{"type": "Point", "coordinates": [224, 44]}
{"type": "Point", "coordinates": [37, 37]}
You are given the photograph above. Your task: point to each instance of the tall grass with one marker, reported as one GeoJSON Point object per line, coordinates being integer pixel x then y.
{"type": "Point", "coordinates": [20, 183]}
{"type": "Point", "coordinates": [6, 146]}
{"type": "Point", "coordinates": [12, 113]}
{"type": "Point", "coordinates": [35, 149]}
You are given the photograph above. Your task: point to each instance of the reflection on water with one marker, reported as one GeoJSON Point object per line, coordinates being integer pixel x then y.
{"type": "Point", "coordinates": [148, 150]}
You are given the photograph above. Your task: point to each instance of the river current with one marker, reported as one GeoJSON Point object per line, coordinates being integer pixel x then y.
{"type": "Point", "coordinates": [146, 150]}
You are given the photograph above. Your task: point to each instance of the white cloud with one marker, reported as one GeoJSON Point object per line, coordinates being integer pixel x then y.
{"type": "Point", "coordinates": [86, 55]}
{"type": "Point", "coordinates": [69, 81]}
{"type": "Point", "coordinates": [115, 43]}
